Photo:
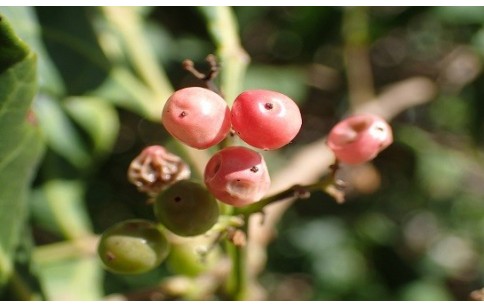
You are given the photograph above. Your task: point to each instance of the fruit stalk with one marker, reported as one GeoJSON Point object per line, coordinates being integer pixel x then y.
{"type": "Point", "coordinates": [327, 184]}
{"type": "Point", "coordinates": [238, 280]}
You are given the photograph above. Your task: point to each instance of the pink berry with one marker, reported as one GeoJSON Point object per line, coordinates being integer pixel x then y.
{"type": "Point", "coordinates": [266, 119]}
{"type": "Point", "coordinates": [237, 176]}
{"type": "Point", "coordinates": [197, 117]}
{"type": "Point", "coordinates": [359, 138]}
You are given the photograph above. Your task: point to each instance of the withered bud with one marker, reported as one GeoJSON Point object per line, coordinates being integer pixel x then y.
{"type": "Point", "coordinates": [237, 237]}
{"type": "Point", "coordinates": [155, 168]}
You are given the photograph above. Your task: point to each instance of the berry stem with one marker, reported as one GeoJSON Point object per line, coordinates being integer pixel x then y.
{"type": "Point", "coordinates": [209, 77]}
{"type": "Point", "coordinates": [238, 279]}
{"type": "Point", "coordinates": [222, 27]}
{"type": "Point", "coordinates": [356, 37]}
{"type": "Point", "coordinates": [327, 184]}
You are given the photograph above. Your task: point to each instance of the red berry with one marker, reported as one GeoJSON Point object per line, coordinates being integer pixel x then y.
{"type": "Point", "coordinates": [237, 176]}
{"type": "Point", "coordinates": [359, 138]}
{"type": "Point", "coordinates": [197, 117]}
{"type": "Point", "coordinates": [266, 119]}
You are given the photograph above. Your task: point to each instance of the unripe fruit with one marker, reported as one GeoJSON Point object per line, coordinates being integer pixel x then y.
{"type": "Point", "coordinates": [265, 119]}
{"type": "Point", "coordinates": [237, 176]}
{"type": "Point", "coordinates": [132, 247]}
{"type": "Point", "coordinates": [186, 258]}
{"type": "Point", "coordinates": [197, 117]}
{"type": "Point", "coordinates": [359, 138]}
{"type": "Point", "coordinates": [186, 208]}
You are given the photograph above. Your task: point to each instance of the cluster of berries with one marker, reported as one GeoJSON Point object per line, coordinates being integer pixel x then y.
{"type": "Point", "coordinates": [264, 119]}
{"type": "Point", "coordinates": [235, 175]}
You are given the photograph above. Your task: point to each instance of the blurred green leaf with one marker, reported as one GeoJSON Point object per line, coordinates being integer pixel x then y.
{"type": "Point", "coordinates": [460, 14]}
{"type": "Point", "coordinates": [72, 280]}
{"type": "Point", "coordinates": [98, 118]}
{"type": "Point", "coordinates": [26, 25]}
{"type": "Point", "coordinates": [72, 44]}
{"type": "Point", "coordinates": [24, 283]}
{"type": "Point", "coordinates": [425, 291]}
{"type": "Point", "coordinates": [129, 26]}
{"type": "Point", "coordinates": [451, 113]}
{"type": "Point", "coordinates": [12, 49]}
{"type": "Point", "coordinates": [331, 233]}
{"type": "Point", "coordinates": [123, 89]}
{"type": "Point", "coordinates": [62, 136]}
{"type": "Point", "coordinates": [21, 144]}
{"type": "Point", "coordinates": [478, 41]}
{"type": "Point", "coordinates": [65, 200]}
{"type": "Point", "coordinates": [290, 81]}
{"type": "Point", "coordinates": [440, 169]}
{"type": "Point", "coordinates": [376, 228]}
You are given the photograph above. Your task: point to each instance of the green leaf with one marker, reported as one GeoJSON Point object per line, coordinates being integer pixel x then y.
{"type": "Point", "coordinates": [123, 89]}
{"type": "Point", "coordinates": [460, 14]}
{"type": "Point", "coordinates": [73, 279]}
{"type": "Point", "coordinates": [21, 144]}
{"type": "Point", "coordinates": [12, 50]}
{"type": "Point", "coordinates": [70, 40]}
{"type": "Point", "coordinates": [59, 207]}
{"type": "Point", "coordinates": [98, 118]}
{"type": "Point", "coordinates": [61, 134]}
{"type": "Point", "coordinates": [440, 169]}
{"type": "Point", "coordinates": [26, 25]}
{"type": "Point", "coordinates": [290, 81]}
{"type": "Point", "coordinates": [130, 28]}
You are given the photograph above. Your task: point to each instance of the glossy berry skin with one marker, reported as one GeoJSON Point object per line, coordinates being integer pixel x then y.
{"type": "Point", "coordinates": [186, 208]}
{"type": "Point", "coordinates": [197, 117]}
{"type": "Point", "coordinates": [265, 119]}
{"type": "Point", "coordinates": [237, 176]}
{"type": "Point", "coordinates": [132, 247]}
{"type": "Point", "coordinates": [359, 138]}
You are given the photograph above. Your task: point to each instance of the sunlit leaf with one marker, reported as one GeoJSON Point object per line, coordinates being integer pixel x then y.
{"type": "Point", "coordinates": [26, 25]}
{"type": "Point", "coordinates": [98, 118]}
{"type": "Point", "coordinates": [62, 136]}
{"type": "Point", "coordinates": [21, 144]}
{"type": "Point", "coordinates": [72, 279]}
{"type": "Point", "coordinates": [65, 200]}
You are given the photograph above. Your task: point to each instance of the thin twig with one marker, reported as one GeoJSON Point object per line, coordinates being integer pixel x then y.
{"type": "Point", "coordinates": [209, 77]}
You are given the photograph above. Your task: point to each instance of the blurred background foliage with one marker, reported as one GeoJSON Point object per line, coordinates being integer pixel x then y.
{"type": "Point", "coordinates": [412, 227]}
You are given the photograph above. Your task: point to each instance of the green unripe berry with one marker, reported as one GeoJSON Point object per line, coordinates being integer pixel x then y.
{"type": "Point", "coordinates": [186, 208]}
{"type": "Point", "coordinates": [187, 259]}
{"type": "Point", "coordinates": [133, 247]}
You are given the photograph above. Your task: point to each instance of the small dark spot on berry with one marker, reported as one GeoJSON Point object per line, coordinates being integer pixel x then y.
{"type": "Point", "coordinates": [183, 114]}
{"type": "Point", "coordinates": [254, 169]}
{"type": "Point", "coordinates": [268, 106]}
{"type": "Point", "coordinates": [133, 226]}
{"type": "Point", "coordinates": [177, 199]}
{"type": "Point", "coordinates": [110, 256]}
{"type": "Point", "coordinates": [359, 126]}
{"type": "Point", "coordinates": [238, 180]}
